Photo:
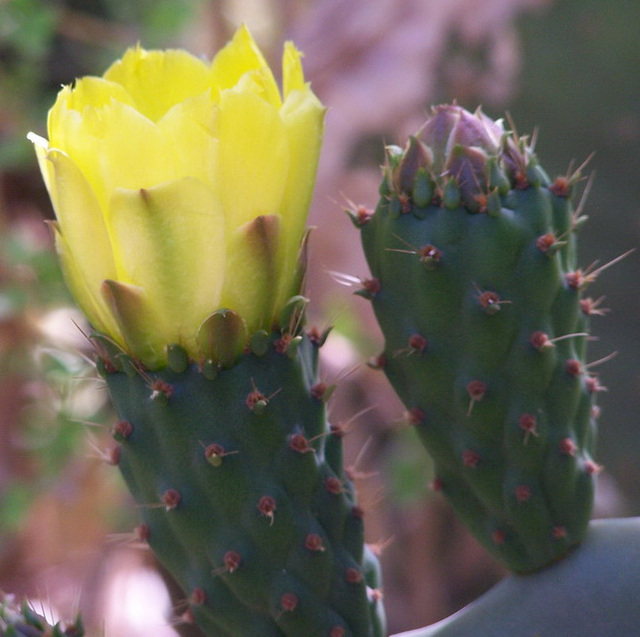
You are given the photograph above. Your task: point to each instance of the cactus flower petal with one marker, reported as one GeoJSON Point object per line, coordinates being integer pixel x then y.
{"type": "Point", "coordinates": [179, 227]}
{"type": "Point", "coordinates": [181, 188]}
{"type": "Point", "coordinates": [136, 319]}
{"type": "Point", "coordinates": [254, 263]}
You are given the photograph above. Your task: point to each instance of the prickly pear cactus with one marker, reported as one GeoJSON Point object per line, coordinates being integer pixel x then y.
{"type": "Point", "coordinates": [20, 620]}
{"type": "Point", "coordinates": [475, 284]}
{"type": "Point", "coordinates": [242, 491]}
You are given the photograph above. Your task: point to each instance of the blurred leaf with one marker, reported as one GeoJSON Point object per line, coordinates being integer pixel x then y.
{"type": "Point", "coordinates": [410, 469]}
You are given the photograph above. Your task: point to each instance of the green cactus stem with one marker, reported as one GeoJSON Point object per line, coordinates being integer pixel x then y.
{"type": "Point", "coordinates": [475, 284]}
{"type": "Point", "coordinates": [241, 487]}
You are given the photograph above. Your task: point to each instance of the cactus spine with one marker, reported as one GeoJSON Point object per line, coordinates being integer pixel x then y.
{"type": "Point", "coordinates": [475, 285]}
{"type": "Point", "coordinates": [241, 487]}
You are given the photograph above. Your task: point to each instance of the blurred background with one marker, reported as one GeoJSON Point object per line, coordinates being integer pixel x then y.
{"type": "Point", "coordinates": [568, 68]}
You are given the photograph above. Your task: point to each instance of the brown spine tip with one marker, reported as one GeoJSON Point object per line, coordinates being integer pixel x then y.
{"type": "Point", "coordinates": [522, 493]}
{"type": "Point", "coordinates": [436, 484]}
{"type": "Point", "coordinates": [254, 398]}
{"type": "Point", "coordinates": [319, 391]}
{"type": "Point", "coordinates": [353, 575]}
{"type": "Point", "coordinates": [214, 454]}
{"type": "Point", "coordinates": [417, 343]}
{"type": "Point", "coordinates": [592, 308]}
{"type": "Point", "coordinates": [267, 507]}
{"type": "Point", "coordinates": [559, 532]}
{"type": "Point", "coordinates": [333, 485]}
{"type": "Point", "coordinates": [529, 424]}
{"type": "Point", "coordinates": [490, 302]}
{"type": "Point", "coordinates": [378, 362]}
{"type": "Point", "coordinates": [363, 215]}
{"type": "Point", "coordinates": [337, 631]}
{"type": "Point", "coordinates": [573, 367]}
{"type": "Point", "coordinates": [370, 288]}
{"type": "Point", "coordinates": [561, 186]}
{"type": "Point", "coordinates": [313, 542]}
{"type": "Point", "coordinates": [198, 596]}
{"type": "Point", "coordinates": [545, 242]}
{"type": "Point", "coordinates": [231, 561]}
{"type": "Point", "coordinates": [337, 430]}
{"type": "Point", "coordinates": [123, 430]}
{"type": "Point", "coordinates": [430, 255]}
{"type": "Point", "coordinates": [160, 388]}
{"type": "Point", "coordinates": [114, 455]}
{"type": "Point", "coordinates": [289, 602]}
{"type": "Point", "coordinates": [357, 512]}
{"type": "Point", "coordinates": [142, 532]}
{"type": "Point", "coordinates": [567, 447]}
{"type": "Point", "coordinates": [470, 458]}
{"type": "Point", "coordinates": [415, 416]}
{"type": "Point", "coordinates": [187, 617]}
{"type": "Point", "coordinates": [592, 468]}
{"type": "Point", "coordinates": [281, 345]}
{"type": "Point", "coordinates": [299, 444]}
{"type": "Point", "coordinates": [499, 536]}
{"type": "Point", "coordinates": [540, 341]}
{"type": "Point", "coordinates": [575, 280]}
{"type": "Point", "coordinates": [476, 390]}
{"type": "Point", "coordinates": [593, 385]}
{"type": "Point", "coordinates": [171, 499]}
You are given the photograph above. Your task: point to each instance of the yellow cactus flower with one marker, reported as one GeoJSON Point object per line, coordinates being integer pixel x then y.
{"type": "Point", "coordinates": [181, 188]}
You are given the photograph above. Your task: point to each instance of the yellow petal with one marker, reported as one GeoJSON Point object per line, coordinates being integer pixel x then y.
{"type": "Point", "coordinates": [117, 147]}
{"type": "Point", "coordinates": [303, 117]}
{"type": "Point", "coordinates": [188, 129]}
{"type": "Point", "coordinates": [157, 80]}
{"type": "Point", "coordinates": [169, 241]}
{"type": "Point", "coordinates": [88, 92]}
{"type": "Point", "coordinates": [80, 218]}
{"type": "Point", "coordinates": [253, 266]}
{"type": "Point", "coordinates": [41, 146]}
{"type": "Point", "coordinates": [252, 158]}
{"type": "Point", "coordinates": [85, 292]}
{"type": "Point", "coordinates": [292, 73]}
{"type": "Point", "coordinates": [138, 320]}
{"type": "Point", "coordinates": [239, 57]}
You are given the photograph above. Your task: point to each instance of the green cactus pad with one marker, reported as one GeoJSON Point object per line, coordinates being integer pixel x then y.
{"type": "Point", "coordinates": [242, 492]}
{"type": "Point", "coordinates": [478, 295]}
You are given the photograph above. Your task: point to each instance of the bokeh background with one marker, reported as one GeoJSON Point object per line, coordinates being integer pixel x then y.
{"type": "Point", "coordinates": [568, 68]}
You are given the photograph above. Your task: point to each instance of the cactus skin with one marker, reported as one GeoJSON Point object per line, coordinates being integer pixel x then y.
{"type": "Point", "coordinates": [20, 620]}
{"type": "Point", "coordinates": [591, 593]}
{"type": "Point", "coordinates": [473, 253]}
{"type": "Point", "coordinates": [262, 531]}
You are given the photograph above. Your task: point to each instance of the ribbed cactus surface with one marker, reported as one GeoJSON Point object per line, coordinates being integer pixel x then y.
{"type": "Point", "coordinates": [475, 284]}
{"type": "Point", "coordinates": [242, 491]}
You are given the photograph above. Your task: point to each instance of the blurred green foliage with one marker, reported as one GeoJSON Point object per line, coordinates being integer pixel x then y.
{"type": "Point", "coordinates": [45, 379]}
{"type": "Point", "coordinates": [47, 43]}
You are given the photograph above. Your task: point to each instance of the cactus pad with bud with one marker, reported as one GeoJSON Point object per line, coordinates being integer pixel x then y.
{"type": "Point", "coordinates": [479, 297]}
